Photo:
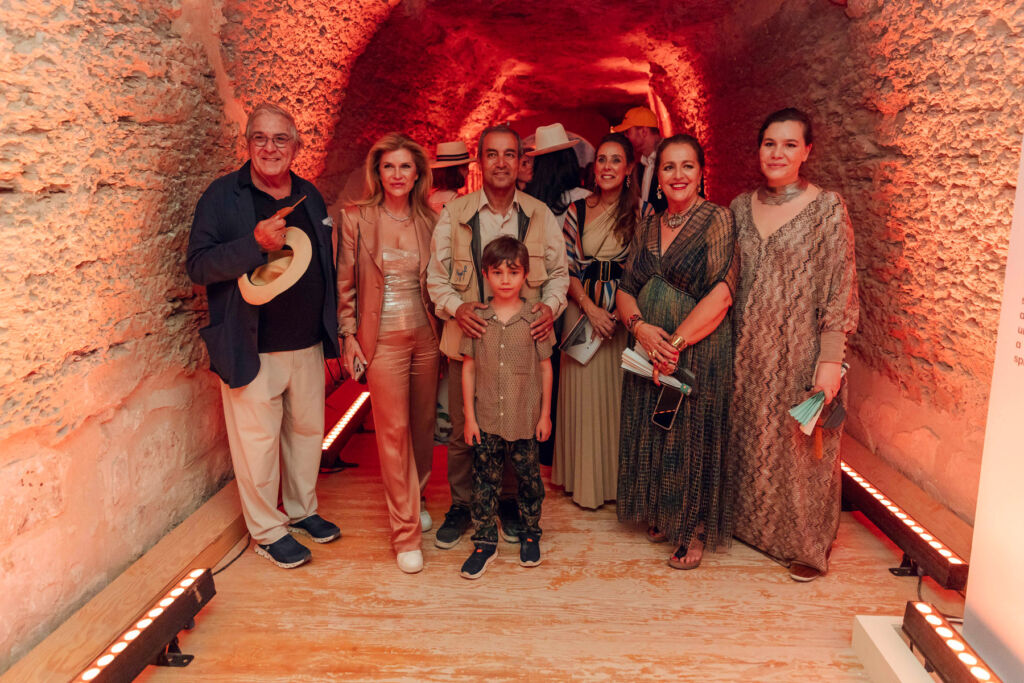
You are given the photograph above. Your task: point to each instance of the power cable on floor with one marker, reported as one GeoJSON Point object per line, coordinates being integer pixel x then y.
{"type": "Point", "coordinates": [920, 598]}
{"type": "Point", "coordinates": [248, 539]}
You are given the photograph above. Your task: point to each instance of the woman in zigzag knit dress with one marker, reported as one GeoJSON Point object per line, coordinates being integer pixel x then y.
{"type": "Point", "coordinates": [795, 306]}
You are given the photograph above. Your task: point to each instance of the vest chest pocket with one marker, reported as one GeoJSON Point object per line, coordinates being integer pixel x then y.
{"type": "Point", "coordinates": [462, 274]}
{"type": "Point", "coordinates": [538, 273]}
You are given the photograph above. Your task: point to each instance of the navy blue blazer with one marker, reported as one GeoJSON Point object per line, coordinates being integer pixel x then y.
{"type": "Point", "coordinates": [222, 248]}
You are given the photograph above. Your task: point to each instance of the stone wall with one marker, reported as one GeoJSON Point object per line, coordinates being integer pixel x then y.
{"type": "Point", "coordinates": [918, 125]}
{"type": "Point", "coordinates": [116, 115]}
{"type": "Point", "coordinates": [110, 125]}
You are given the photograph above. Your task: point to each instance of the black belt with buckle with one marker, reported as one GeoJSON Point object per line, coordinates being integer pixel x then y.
{"type": "Point", "coordinates": [603, 271]}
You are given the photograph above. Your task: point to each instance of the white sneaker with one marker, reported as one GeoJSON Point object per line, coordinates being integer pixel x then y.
{"type": "Point", "coordinates": [425, 521]}
{"type": "Point", "coordinates": [411, 561]}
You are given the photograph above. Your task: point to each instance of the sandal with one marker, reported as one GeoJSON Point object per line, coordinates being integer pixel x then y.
{"type": "Point", "coordinates": [678, 559]}
{"type": "Point", "coordinates": [656, 536]}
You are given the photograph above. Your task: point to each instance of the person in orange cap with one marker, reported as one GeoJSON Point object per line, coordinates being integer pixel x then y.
{"type": "Point", "coordinates": [640, 125]}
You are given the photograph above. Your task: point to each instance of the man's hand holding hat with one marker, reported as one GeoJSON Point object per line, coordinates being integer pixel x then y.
{"type": "Point", "coordinates": [269, 233]}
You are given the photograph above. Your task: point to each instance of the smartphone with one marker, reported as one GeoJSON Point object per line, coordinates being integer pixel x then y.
{"type": "Point", "coordinates": [667, 407]}
{"type": "Point", "coordinates": [358, 368]}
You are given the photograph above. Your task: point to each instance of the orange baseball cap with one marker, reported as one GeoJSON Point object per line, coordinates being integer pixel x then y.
{"type": "Point", "coordinates": [637, 116]}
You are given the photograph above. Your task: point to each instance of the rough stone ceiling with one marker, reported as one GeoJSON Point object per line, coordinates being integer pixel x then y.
{"type": "Point", "coordinates": [564, 54]}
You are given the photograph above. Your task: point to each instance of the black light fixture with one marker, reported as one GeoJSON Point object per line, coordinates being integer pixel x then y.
{"type": "Point", "coordinates": [921, 549]}
{"type": "Point", "coordinates": [942, 647]}
{"type": "Point", "coordinates": [153, 637]}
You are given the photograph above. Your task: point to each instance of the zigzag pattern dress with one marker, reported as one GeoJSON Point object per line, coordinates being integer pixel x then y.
{"type": "Point", "coordinates": [794, 285]}
{"type": "Point", "coordinates": [676, 479]}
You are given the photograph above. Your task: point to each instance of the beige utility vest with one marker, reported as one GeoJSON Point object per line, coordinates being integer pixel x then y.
{"type": "Point", "coordinates": [465, 276]}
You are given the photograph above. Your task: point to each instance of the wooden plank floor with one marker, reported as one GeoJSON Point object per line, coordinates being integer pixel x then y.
{"type": "Point", "coordinates": [602, 607]}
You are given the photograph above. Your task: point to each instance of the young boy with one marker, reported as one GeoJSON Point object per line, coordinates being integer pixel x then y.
{"type": "Point", "coordinates": [506, 389]}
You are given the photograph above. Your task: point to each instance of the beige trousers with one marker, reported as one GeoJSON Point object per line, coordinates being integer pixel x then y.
{"type": "Point", "coordinates": [402, 377]}
{"type": "Point", "coordinates": [275, 428]}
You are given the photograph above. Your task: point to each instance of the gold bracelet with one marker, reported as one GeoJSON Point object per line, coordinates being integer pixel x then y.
{"type": "Point", "coordinates": [678, 342]}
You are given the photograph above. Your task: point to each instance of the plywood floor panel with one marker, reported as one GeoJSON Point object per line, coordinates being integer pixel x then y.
{"type": "Point", "coordinates": [602, 607]}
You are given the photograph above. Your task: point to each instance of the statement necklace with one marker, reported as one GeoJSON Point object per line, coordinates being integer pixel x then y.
{"type": "Point", "coordinates": [774, 196]}
{"type": "Point", "coordinates": [394, 217]}
{"type": "Point", "coordinates": [674, 220]}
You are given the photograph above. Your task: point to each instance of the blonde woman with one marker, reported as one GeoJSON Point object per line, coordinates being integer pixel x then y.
{"type": "Point", "coordinates": [386, 321]}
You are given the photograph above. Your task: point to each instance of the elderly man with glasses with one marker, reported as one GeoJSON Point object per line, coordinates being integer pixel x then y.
{"type": "Point", "coordinates": [270, 355]}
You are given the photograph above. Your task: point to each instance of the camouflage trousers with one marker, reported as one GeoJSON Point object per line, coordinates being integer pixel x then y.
{"type": "Point", "coordinates": [488, 467]}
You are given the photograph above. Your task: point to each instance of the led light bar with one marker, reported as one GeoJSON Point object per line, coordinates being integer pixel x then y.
{"type": "Point", "coordinates": [148, 637]}
{"type": "Point", "coordinates": [345, 419]}
{"type": "Point", "coordinates": [938, 561]}
{"type": "Point", "coordinates": [943, 647]}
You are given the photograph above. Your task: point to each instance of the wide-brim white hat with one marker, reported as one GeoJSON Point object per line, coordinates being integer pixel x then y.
{"type": "Point", "coordinates": [282, 270]}
{"type": "Point", "coordinates": [550, 139]}
{"type": "Point", "coordinates": [451, 154]}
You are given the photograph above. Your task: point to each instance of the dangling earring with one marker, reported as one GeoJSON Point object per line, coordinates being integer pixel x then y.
{"type": "Point", "coordinates": [628, 181]}
{"type": "Point", "coordinates": [659, 192]}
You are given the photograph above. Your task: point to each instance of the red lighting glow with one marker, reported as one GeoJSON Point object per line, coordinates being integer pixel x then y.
{"type": "Point", "coordinates": [899, 514]}
{"type": "Point", "coordinates": [345, 419]}
{"type": "Point", "coordinates": [130, 635]}
{"type": "Point", "coordinates": [933, 634]}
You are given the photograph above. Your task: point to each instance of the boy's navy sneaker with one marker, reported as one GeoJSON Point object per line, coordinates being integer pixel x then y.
{"type": "Point", "coordinates": [317, 528]}
{"type": "Point", "coordinates": [476, 564]}
{"type": "Point", "coordinates": [529, 550]}
{"type": "Point", "coordinates": [508, 515]}
{"type": "Point", "coordinates": [456, 521]}
{"type": "Point", "coordinates": [285, 552]}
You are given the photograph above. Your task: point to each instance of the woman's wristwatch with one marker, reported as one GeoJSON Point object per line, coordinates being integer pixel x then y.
{"type": "Point", "coordinates": [678, 343]}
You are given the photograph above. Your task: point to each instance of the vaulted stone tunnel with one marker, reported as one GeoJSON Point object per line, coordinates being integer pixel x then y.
{"type": "Point", "coordinates": [116, 116]}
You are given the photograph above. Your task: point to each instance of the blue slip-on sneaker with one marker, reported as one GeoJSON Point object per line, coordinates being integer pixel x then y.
{"type": "Point", "coordinates": [317, 528]}
{"type": "Point", "coordinates": [285, 552]}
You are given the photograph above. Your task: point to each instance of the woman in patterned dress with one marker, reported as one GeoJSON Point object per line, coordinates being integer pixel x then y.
{"type": "Point", "coordinates": [587, 443]}
{"type": "Point", "coordinates": [795, 306]}
{"type": "Point", "coordinates": [675, 296]}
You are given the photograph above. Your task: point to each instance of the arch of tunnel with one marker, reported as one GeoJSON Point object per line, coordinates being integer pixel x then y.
{"type": "Point", "coordinates": [116, 116]}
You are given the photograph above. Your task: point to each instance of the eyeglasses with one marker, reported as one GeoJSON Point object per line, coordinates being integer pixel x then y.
{"type": "Point", "coordinates": [280, 141]}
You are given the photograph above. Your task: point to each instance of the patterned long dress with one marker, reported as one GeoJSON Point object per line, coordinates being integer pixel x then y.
{"type": "Point", "coordinates": [676, 479]}
{"type": "Point", "coordinates": [798, 283]}
{"type": "Point", "coordinates": [586, 458]}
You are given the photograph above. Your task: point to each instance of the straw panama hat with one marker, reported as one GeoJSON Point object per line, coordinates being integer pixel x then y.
{"type": "Point", "coordinates": [551, 139]}
{"type": "Point", "coordinates": [637, 116]}
{"type": "Point", "coordinates": [451, 154]}
{"type": "Point", "coordinates": [283, 269]}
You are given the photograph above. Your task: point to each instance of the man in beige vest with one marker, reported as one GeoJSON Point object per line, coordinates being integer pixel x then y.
{"type": "Point", "coordinates": [467, 224]}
